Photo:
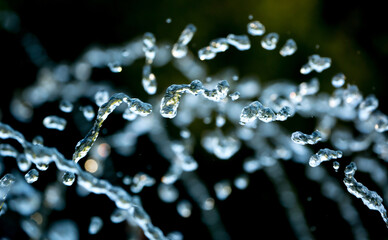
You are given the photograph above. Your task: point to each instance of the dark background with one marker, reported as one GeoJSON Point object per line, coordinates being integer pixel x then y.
{"type": "Point", "coordinates": [353, 34]}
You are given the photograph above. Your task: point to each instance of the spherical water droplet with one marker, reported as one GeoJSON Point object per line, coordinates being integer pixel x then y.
{"type": "Point", "coordinates": [338, 80]}
{"type": "Point", "coordinates": [241, 182]}
{"type": "Point", "coordinates": [167, 193]}
{"type": "Point", "coordinates": [168, 20]}
{"type": "Point", "coordinates": [68, 178]}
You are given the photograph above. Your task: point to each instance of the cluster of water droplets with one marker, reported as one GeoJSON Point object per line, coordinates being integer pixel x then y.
{"type": "Point", "coordinates": [269, 141]}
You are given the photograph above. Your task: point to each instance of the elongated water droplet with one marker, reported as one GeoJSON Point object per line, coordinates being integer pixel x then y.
{"type": "Point", "coordinates": [219, 45]}
{"type": "Point", "coordinates": [301, 138]}
{"type": "Point", "coordinates": [336, 165]}
{"type": "Point", "coordinates": [32, 176]}
{"type": "Point", "coordinates": [241, 42]}
{"type": "Point", "coordinates": [54, 122]}
{"type": "Point", "coordinates": [95, 225]}
{"type": "Point", "coordinates": [149, 80]}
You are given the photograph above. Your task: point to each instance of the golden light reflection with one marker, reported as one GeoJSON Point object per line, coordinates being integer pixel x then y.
{"type": "Point", "coordinates": [103, 150]}
{"type": "Point", "coordinates": [37, 217]}
{"type": "Point", "coordinates": [91, 165]}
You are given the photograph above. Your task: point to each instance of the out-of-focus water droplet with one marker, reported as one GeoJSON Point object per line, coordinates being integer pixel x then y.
{"type": "Point", "coordinates": [179, 50]}
{"type": "Point", "coordinates": [168, 20]}
{"type": "Point", "coordinates": [167, 193]}
{"type": "Point", "coordinates": [65, 106]}
{"type": "Point", "coordinates": [219, 45]}
{"type": "Point", "coordinates": [54, 122]}
{"type": "Point", "coordinates": [338, 80]}
{"type": "Point", "coordinates": [241, 42]}
{"type": "Point", "coordinates": [234, 96]}
{"type": "Point", "coordinates": [23, 163]}
{"type": "Point", "coordinates": [68, 178]}
{"type": "Point", "coordinates": [241, 182]}
{"type": "Point", "coordinates": [32, 176]}
{"type": "Point", "coordinates": [256, 28]}
{"type": "Point", "coordinates": [289, 48]}
{"type": "Point", "coordinates": [115, 67]}
{"type": "Point", "coordinates": [184, 208]}
{"type": "Point", "coordinates": [88, 112]}
{"type": "Point", "coordinates": [206, 53]}
{"type": "Point", "coordinates": [38, 140]}
{"type": "Point", "coordinates": [270, 41]}
{"type": "Point", "coordinates": [223, 189]}
{"type": "Point", "coordinates": [149, 80]}
{"type": "Point", "coordinates": [101, 97]}
{"type": "Point", "coordinates": [95, 225]}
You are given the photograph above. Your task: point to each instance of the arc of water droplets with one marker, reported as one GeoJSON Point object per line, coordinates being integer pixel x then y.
{"type": "Point", "coordinates": [303, 139]}
{"type": "Point", "coordinates": [170, 102]}
{"type": "Point", "coordinates": [149, 49]}
{"type": "Point", "coordinates": [324, 155]}
{"type": "Point", "coordinates": [179, 50]}
{"type": "Point", "coordinates": [39, 154]}
{"type": "Point", "coordinates": [370, 198]}
{"type": "Point", "coordinates": [265, 114]}
{"type": "Point", "coordinates": [135, 105]}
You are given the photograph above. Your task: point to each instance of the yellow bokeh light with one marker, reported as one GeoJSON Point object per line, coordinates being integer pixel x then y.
{"type": "Point", "coordinates": [91, 165]}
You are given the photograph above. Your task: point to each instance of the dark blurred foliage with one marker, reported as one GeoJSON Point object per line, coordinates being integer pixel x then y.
{"type": "Point", "coordinates": [353, 34]}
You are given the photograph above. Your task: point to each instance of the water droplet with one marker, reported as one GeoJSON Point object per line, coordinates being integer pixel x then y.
{"type": "Point", "coordinates": [223, 189]}
{"type": "Point", "coordinates": [68, 178]}
{"type": "Point", "coordinates": [256, 28]}
{"type": "Point", "coordinates": [101, 97]}
{"type": "Point", "coordinates": [167, 193]}
{"type": "Point", "coordinates": [32, 176]}
{"type": "Point", "coordinates": [95, 225]}
{"type": "Point", "coordinates": [234, 96]}
{"type": "Point", "coordinates": [184, 208]}
{"type": "Point", "coordinates": [54, 122]}
{"type": "Point", "coordinates": [65, 106]}
{"type": "Point", "coordinates": [289, 48]}
{"type": "Point", "coordinates": [219, 45]}
{"type": "Point", "coordinates": [241, 42]}
{"type": "Point", "coordinates": [270, 41]}
{"type": "Point", "coordinates": [168, 20]}
{"type": "Point", "coordinates": [338, 80]}
{"type": "Point", "coordinates": [115, 67]}
{"type": "Point", "coordinates": [206, 53]}
{"type": "Point", "coordinates": [336, 165]}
